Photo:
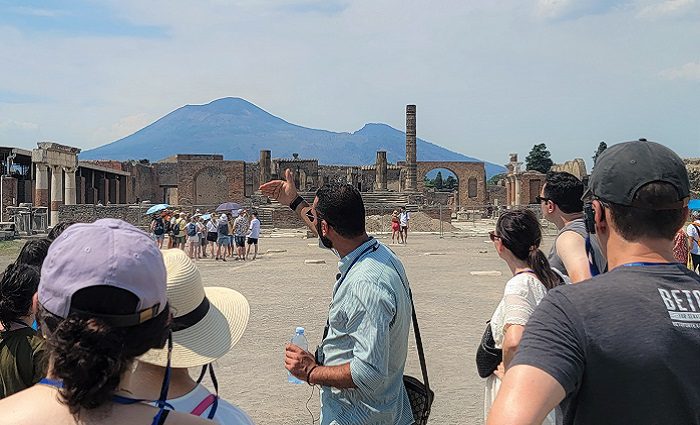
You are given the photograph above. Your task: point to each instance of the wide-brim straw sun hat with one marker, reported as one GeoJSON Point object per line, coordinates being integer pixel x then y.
{"type": "Point", "coordinates": [207, 322]}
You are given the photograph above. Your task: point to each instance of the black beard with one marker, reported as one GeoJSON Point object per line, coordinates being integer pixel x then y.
{"type": "Point", "coordinates": [324, 240]}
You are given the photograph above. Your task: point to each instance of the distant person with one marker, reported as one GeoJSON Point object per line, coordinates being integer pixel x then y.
{"type": "Point", "coordinates": [693, 232]}
{"type": "Point", "coordinates": [253, 235]}
{"type": "Point", "coordinates": [193, 237]}
{"type": "Point", "coordinates": [622, 347]}
{"type": "Point", "coordinates": [404, 219]}
{"type": "Point", "coordinates": [517, 240]}
{"type": "Point", "coordinates": [34, 252]}
{"type": "Point", "coordinates": [222, 239]}
{"type": "Point", "coordinates": [199, 340]}
{"type": "Point", "coordinates": [158, 230]}
{"type": "Point", "coordinates": [680, 247]}
{"type": "Point", "coordinates": [202, 234]}
{"type": "Point", "coordinates": [179, 231]}
{"type": "Point", "coordinates": [395, 227]}
{"type": "Point", "coordinates": [22, 361]}
{"type": "Point", "coordinates": [212, 234]}
{"type": "Point", "coordinates": [561, 204]}
{"type": "Point", "coordinates": [102, 303]}
{"type": "Point", "coordinates": [240, 230]}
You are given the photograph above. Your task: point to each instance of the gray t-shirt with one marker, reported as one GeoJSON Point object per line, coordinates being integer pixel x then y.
{"type": "Point", "coordinates": [625, 346]}
{"type": "Point", "coordinates": [578, 226]}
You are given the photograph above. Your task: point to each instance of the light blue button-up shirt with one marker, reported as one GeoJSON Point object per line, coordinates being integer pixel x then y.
{"type": "Point", "coordinates": [369, 320]}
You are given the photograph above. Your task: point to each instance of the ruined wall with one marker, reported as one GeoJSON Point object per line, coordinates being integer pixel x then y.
{"type": "Point", "coordinates": [87, 213]}
{"type": "Point", "coordinates": [252, 178]}
{"type": "Point", "coordinates": [471, 177]}
{"type": "Point", "coordinates": [577, 167]}
{"type": "Point", "coordinates": [167, 173]}
{"type": "Point", "coordinates": [144, 183]}
{"type": "Point", "coordinates": [497, 194]}
{"type": "Point", "coordinates": [693, 166]}
{"type": "Point", "coordinates": [306, 171]}
{"type": "Point", "coordinates": [203, 182]}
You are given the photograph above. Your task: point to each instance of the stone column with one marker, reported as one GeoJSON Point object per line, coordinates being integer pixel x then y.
{"type": "Point", "coordinates": [71, 194]}
{"type": "Point", "coordinates": [41, 191]}
{"type": "Point", "coordinates": [56, 192]}
{"type": "Point", "coordinates": [517, 190]}
{"type": "Point", "coordinates": [381, 170]}
{"type": "Point", "coordinates": [265, 166]}
{"type": "Point", "coordinates": [411, 175]}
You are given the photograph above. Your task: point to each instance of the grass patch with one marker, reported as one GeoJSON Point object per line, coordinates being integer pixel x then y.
{"type": "Point", "coordinates": [11, 248]}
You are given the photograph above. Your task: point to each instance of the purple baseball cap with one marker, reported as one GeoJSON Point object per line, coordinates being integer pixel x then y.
{"type": "Point", "coordinates": [108, 252]}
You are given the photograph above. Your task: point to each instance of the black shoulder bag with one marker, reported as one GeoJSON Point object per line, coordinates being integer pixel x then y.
{"type": "Point", "coordinates": [488, 357]}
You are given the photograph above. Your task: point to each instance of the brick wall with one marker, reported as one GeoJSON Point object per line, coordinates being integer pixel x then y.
{"type": "Point", "coordinates": [87, 213]}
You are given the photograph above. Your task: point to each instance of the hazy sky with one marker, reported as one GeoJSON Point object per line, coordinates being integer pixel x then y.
{"type": "Point", "coordinates": [488, 77]}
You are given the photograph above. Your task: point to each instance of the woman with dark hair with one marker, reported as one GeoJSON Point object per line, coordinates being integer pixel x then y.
{"type": "Point", "coordinates": [102, 303]}
{"type": "Point", "coordinates": [517, 240]}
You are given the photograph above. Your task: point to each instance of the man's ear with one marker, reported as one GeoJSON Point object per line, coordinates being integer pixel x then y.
{"type": "Point", "coordinates": [35, 303]}
{"type": "Point", "coordinates": [601, 223]}
{"type": "Point", "coordinates": [551, 206]}
{"type": "Point", "coordinates": [324, 228]}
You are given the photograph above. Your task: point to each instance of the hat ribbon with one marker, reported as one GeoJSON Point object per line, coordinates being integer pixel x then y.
{"type": "Point", "coordinates": [192, 318]}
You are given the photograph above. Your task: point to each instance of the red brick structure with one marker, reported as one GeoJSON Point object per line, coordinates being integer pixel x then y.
{"type": "Point", "coordinates": [471, 177]}
{"type": "Point", "coordinates": [205, 179]}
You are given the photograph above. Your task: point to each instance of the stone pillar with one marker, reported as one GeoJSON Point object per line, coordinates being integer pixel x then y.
{"type": "Point", "coordinates": [41, 193]}
{"type": "Point", "coordinates": [411, 175]}
{"type": "Point", "coordinates": [265, 166]}
{"type": "Point", "coordinates": [517, 190]}
{"type": "Point", "coordinates": [381, 170]}
{"type": "Point", "coordinates": [71, 194]}
{"type": "Point", "coordinates": [56, 192]}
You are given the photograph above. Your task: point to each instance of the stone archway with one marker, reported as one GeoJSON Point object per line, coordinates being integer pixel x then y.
{"type": "Point", "coordinates": [470, 175]}
{"type": "Point", "coordinates": [210, 186]}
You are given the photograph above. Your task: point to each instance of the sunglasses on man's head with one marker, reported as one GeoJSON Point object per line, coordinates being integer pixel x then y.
{"type": "Point", "coordinates": [541, 199]}
{"type": "Point", "coordinates": [493, 236]}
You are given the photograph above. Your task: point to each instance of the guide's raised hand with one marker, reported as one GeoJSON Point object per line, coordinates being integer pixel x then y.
{"type": "Point", "coordinates": [282, 191]}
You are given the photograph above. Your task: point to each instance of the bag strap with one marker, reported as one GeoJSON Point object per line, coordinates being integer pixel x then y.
{"type": "Point", "coordinates": [416, 333]}
{"type": "Point", "coordinates": [203, 405]}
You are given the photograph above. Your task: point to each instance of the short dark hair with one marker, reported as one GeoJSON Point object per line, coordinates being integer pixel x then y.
{"type": "Point", "coordinates": [565, 190]}
{"type": "Point", "coordinates": [18, 285]}
{"type": "Point", "coordinates": [34, 252]}
{"type": "Point", "coordinates": [341, 206]}
{"type": "Point", "coordinates": [58, 229]}
{"type": "Point", "coordinates": [634, 223]}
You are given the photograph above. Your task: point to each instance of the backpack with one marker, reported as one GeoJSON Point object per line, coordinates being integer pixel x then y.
{"type": "Point", "coordinates": [158, 228]}
{"type": "Point", "coordinates": [176, 227]}
{"type": "Point", "coordinates": [222, 228]}
{"type": "Point", "coordinates": [191, 229]}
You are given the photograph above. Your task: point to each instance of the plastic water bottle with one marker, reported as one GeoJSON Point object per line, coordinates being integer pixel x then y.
{"type": "Point", "coordinates": [300, 341]}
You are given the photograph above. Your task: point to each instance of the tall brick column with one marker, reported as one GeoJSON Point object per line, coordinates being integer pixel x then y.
{"type": "Point", "coordinates": [381, 170]}
{"type": "Point", "coordinates": [41, 191]}
{"type": "Point", "coordinates": [71, 193]}
{"type": "Point", "coordinates": [265, 166]}
{"type": "Point", "coordinates": [411, 175]}
{"type": "Point", "coordinates": [56, 192]}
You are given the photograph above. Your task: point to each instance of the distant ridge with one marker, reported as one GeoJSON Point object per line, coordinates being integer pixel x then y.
{"type": "Point", "coordinates": [238, 129]}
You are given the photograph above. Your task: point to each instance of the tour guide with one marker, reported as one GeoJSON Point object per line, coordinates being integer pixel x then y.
{"type": "Point", "coordinates": [361, 360]}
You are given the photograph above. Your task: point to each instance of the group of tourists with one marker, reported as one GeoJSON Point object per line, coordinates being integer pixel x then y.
{"type": "Point", "coordinates": [227, 234]}
{"type": "Point", "coordinates": [99, 326]}
{"type": "Point", "coordinates": [399, 225]}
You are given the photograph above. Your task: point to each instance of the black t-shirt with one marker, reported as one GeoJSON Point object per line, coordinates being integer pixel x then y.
{"type": "Point", "coordinates": [625, 346]}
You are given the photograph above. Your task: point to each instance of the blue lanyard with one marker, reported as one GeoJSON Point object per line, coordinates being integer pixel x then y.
{"type": "Point", "coordinates": [647, 264]}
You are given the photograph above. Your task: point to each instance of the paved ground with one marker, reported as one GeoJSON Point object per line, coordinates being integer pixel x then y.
{"type": "Point", "coordinates": [284, 292]}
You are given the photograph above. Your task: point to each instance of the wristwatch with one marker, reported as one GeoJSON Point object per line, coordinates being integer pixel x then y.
{"type": "Point", "coordinates": [295, 203]}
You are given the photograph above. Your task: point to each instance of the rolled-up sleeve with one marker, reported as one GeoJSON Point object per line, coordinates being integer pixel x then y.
{"type": "Point", "coordinates": [368, 325]}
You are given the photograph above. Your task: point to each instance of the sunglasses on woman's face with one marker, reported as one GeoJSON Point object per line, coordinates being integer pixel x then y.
{"type": "Point", "coordinates": [493, 236]}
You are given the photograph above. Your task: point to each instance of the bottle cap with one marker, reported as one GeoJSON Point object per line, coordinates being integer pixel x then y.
{"type": "Point", "coordinates": [300, 330]}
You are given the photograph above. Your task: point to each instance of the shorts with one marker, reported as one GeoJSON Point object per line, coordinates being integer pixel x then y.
{"type": "Point", "coordinates": [157, 237]}
{"type": "Point", "coordinates": [240, 240]}
{"type": "Point", "coordinates": [404, 227]}
{"type": "Point", "coordinates": [179, 239]}
{"type": "Point", "coordinates": [211, 236]}
{"type": "Point", "coordinates": [252, 241]}
{"type": "Point", "coordinates": [202, 239]}
{"type": "Point", "coordinates": [193, 239]}
{"type": "Point", "coordinates": [224, 240]}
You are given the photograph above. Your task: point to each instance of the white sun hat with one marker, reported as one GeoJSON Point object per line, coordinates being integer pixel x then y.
{"type": "Point", "coordinates": [207, 322]}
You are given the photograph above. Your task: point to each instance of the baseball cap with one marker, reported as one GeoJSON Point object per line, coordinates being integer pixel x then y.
{"type": "Point", "coordinates": [106, 253]}
{"type": "Point", "coordinates": [622, 169]}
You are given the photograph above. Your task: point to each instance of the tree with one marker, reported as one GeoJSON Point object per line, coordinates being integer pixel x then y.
{"type": "Point", "coordinates": [428, 182]}
{"type": "Point", "coordinates": [601, 147]}
{"type": "Point", "coordinates": [450, 183]}
{"type": "Point", "coordinates": [495, 179]}
{"type": "Point", "coordinates": [539, 159]}
{"type": "Point", "coordinates": [438, 180]}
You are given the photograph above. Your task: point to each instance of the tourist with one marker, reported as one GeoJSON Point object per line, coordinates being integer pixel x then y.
{"type": "Point", "coordinates": [561, 204]}
{"type": "Point", "coordinates": [201, 336]}
{"type": "Point", "coordinates": [179, 230]}
{"type": "Point", "coordinates": [623, 346]}
{"type": "Point", "coordinates": [404, 218]}
{"type": "Point", "coordinates": [22, 362]}
{"type": "Point", "coordinates": [517, 240]}
{"type": "Point", "coordinates": [95, 331]}
{"type": "Point", "coordinates": [222, 239]}
{"type": "Point", "coordinates": [158, 229]}
{"type": "Point", "coordinates": [680, 248]}
{"type": "Point", "coordinates": [395, 227]}
{"type": "Point", "coordinates": [253, 235]}
{"type": "Point", "coordinates": [231, 228]}
{"type": "Point", "coordinates": [34, 252]}
{"type": "Point", "coordinates": [202, 234]}
{"type": "Point", "coordinates": [360, 362]}
{"type": "Point", "coordinates": [693, 232]}
{"type": "Point", "coordinates": [240, 230]}
{"type": "Point", "coordinates": [212, 235]}
{"type": "Point", "coordinates": [193, 237]}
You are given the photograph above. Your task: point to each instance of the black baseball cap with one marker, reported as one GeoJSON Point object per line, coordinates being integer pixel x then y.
{"type": "Point", "coordinates": [622, 169]}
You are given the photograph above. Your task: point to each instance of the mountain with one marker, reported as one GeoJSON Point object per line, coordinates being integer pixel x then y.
{"type": "Point", "coordinates": [238, 129]}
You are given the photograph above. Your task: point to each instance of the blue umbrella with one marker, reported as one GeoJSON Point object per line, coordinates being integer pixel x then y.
{"type": "Point", "coordinates": [694, 204]}
{"type": "Point", "coordinates": [157, 208]}
{"type": "Point", "coordinates": [206, 217]}
{"type": "Point", "coordinates": [228, 206]}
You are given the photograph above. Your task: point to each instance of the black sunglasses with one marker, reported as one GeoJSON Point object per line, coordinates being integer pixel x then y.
{"type": "Point", "coordinates": [541, 199]}
{"type": "Point", "coordinates": [493, 236]}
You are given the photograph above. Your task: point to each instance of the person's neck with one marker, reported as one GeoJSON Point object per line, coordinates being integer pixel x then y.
{"type": "Point", "coordinates": [620, 251]}
{"type": "Point", "coordinates": [561, 220]}
{"type": "Point", "coordinates": [346, 246]}
{"type": "Point", "coordinates": [146, 381]}
{"type": "Point", "coordinates": [516, 265]}
{"type": "Point", "coordinates": [27, 320]}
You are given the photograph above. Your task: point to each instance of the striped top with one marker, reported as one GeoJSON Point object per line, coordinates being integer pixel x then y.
{"type": "Point", "coordinates": [369, 319]}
